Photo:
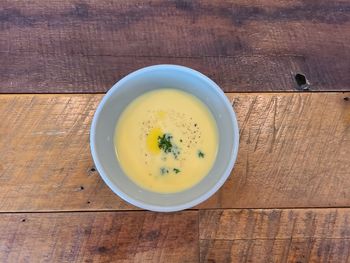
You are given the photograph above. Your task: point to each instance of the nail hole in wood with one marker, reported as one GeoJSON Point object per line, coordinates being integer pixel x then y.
{"type": "Point", "coordinates": [102, 249]}
{"type": "Point", "coordinates": [301, 81]}
{"type": "Point", "coordinates": [346, 98]}
{"type": "Point", "coordinates": [81, 187]}
{"type": "Point", "coordinates": [93, 169]}
{"type": "Point", "coordinates": [23, 220]}
{"type": "Point", "coordinates": [88, 202]}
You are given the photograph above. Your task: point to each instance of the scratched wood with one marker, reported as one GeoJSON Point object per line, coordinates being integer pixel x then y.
{"type": "Point", "coordinates": [287, 235]}
{"type": "Point", "coordinates": [294, 152]}
{"type": "Point", "coordinates": [245, 45]}
{"type": "Point", "coordinates": [99, 237]}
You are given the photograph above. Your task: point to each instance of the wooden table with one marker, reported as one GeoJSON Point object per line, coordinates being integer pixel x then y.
{"type": "Point", "coordinates": [285, 65]}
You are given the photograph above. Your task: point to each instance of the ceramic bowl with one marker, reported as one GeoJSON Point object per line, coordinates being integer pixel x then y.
{"type": "Point", "coordinates": [136, 84]}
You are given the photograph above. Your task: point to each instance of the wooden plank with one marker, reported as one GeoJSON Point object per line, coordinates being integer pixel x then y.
{"type": "Point", "coordinates": [278, 235]}
{"type": "Point", "coordinates": [245, 45]}
{"type": "Point", "coordinates": [294, 152]}
{"type": "Point", "coordinates": [99, 237]}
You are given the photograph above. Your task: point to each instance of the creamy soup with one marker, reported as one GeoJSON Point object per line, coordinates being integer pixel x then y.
{"type": "Point", "coordinates": [166, 140]}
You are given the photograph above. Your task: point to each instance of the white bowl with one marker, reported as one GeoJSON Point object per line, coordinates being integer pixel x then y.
{"type": "Point", "coordinates": [132, 86]}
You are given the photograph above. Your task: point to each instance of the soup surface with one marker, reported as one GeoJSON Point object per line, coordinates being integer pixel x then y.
{"type": "Point", "coordinates": [166, 140]}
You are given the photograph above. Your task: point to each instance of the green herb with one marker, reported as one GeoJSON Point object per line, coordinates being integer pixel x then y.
{"type": "Point", "coordinates": [163, 171]}
{"type": "Point", "coordinates": [200, 154]}
{"type": "Point", "coordinates": [164, 142]}
{"type": "Point", "coordinates": [176, 170]}
{"type": "Point", "coordinates": [175, 151]}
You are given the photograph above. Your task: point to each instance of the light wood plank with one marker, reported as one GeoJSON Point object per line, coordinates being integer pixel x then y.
{"type": "Point", "coordinates": [287, 235]}
{"type": "Point", "coordinates": [246, 45]}
{"type": "Point", "coordinates": [294, 152]}
{"type": "Point", "coordinates": [99, 237]}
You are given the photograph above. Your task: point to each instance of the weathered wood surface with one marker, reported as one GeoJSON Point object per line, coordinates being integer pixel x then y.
{"type": "Point", "coordinates": [247, 235]}
{"type": "Point", "coordinates": [294, 152]}
{"type": "Point", "coordinates": [99, 237]}
{"type": "Point", "coordinates": [245, 45]}
{"type": "Point", "coordinates": [288, 235]}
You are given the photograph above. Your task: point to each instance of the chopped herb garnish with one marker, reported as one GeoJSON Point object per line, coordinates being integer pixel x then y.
{"type": "Point", "coordinates": [175, 151]}
{"type": "Point", "coordinates": [200, 154]}
{"type": "Point", "coordinates": [163, 171]}
{"type": "Point", "coordinates": [164, 142]}
{"type": "Point", "coordinates": [176, 170]}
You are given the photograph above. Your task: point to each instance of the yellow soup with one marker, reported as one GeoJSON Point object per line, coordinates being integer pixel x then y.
{"type": "Point", "coordinates": [166, 140]}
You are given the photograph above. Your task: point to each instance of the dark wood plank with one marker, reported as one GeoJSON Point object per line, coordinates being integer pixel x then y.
{"type": "Point", "coordinates": [69, 46]}
{"type": "Point", "coordinates": [294, 152]}
{"type": "Point", "coordinates": [99, 237]}
{"type": "Point", "coordinates": [287, 235]}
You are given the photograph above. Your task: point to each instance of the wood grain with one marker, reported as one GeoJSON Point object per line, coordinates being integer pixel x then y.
{"type": "Point", "coordinates": [294, 152]}
{"type": "Point", "coordinates": [287, 235]}
{"type": "Point", "coordinates": [85, 46]}
{"type": "Point", "coordinates": [99, 237]}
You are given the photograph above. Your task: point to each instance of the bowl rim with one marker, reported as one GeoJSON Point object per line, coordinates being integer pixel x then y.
{"type": "Point", "coordinates": [145, 205]}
